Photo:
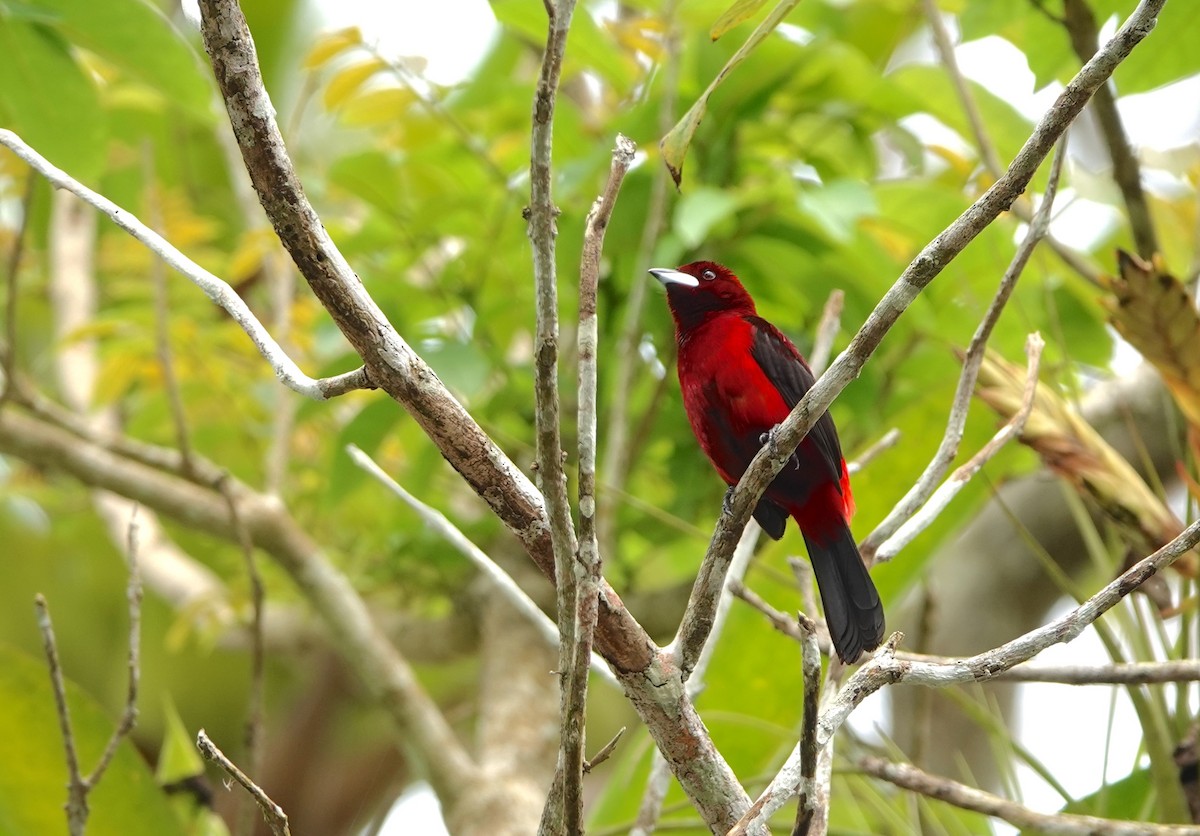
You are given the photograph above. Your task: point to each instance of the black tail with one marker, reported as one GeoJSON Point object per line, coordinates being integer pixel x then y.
{"type": "Point", "coordinates": [853, 610]}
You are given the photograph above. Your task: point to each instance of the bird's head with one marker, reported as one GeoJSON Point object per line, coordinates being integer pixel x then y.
{"type": "Point", "coordinates": [699, 291]}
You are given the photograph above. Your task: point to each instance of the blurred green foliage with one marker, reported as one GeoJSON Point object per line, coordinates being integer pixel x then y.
{"type": "Point", "coordinates": [806, 176]}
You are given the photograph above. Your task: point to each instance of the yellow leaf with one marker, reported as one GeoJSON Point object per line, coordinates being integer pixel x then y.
{"type": "Point", "coordinates": [377, 107]}
{"type": "Point", "coordinates": [251, 250]}
{"type": "Point", "coordinates": [898, 244]}
{"type": "Point", "coordinates": [642, 35]}
{"type": "Point", "coordinates": [738, 13]}
{"type": "Point", "coordinates": [343, 85]}
{"type": "Point", "coordinates": [330, 45]}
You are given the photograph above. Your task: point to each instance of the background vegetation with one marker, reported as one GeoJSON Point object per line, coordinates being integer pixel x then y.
{"type": "Point", "coordinates": [813, 171]}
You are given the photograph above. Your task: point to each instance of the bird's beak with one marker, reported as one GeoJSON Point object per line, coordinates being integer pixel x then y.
{"type": "Point", "coordinates": [669, 277]}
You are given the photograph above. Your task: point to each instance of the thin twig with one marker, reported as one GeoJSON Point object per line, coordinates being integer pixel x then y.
{"type": "Point", "coordinates": [77, 790]}
{"type": "Point", "coordinates": [952, 792]}
{"type": "Point", "coordinates": [779, 620]}
{"type": "Point", "coordinates": [133, 596]}
{"type": "Point", "coordinates": [10, 291]}
{"type": "Point", "coordinates": [886, 668]}
{"type": "Point", "coordinates": [78, 786]}
{"type": "Point", "coordinates": [216, 289]}
{"type": "Point", "coordinates": [827, 331]}
{"type": "Point", "coordinates": [618, 449]}
{"type": "Point", "coordinates": [501, 580]}
{"type": "Point", "coordinates": [1081, 27]}
{"type": "Point", "coordinates": [810, 660]}
{"type": "Point", "coordinates": [823, 780]}
{"type": "Point", "coordinates": [254, 708]}
{"type": "Point", "coordinates": [987, 150]}
{"type": "Point", "coordinates": [1127, 673]}
{"type": "Point", "coordinates": [563, 812]}
{"type": "Point", "coordinates": [941, 498]}
{"type": "Point", "coordinates": [886, 442]}
{"type": "Point", "coordinates": [585, 565]}
{"type": "Point", "coordinates": [605, 752]}
{"type": "Point", "coordinates": [162, 335]}
{"type": "Point", "coordinates": [272, 812]}
{"type": "Point", "coordinates": [947, 450]}
{"type": "Point", "coordinates": [945, 50]}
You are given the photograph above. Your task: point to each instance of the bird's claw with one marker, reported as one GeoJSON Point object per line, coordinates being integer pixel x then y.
{"type": "Point", "coordinates": [727, 502]}
{"type": "Point", "coordinates": [768, 438]}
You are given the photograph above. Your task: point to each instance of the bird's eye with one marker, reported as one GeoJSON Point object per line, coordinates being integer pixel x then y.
{"type": "Point", "coordinates": [709, 275]}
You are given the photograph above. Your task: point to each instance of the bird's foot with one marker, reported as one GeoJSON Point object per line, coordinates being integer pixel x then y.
{"type": "Point", "coordinates": [768, 438]}
{"type": "Point", "coordinates": [727, 502]}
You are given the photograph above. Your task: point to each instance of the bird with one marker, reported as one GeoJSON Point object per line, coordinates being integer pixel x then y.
{"type": "Point", "coordinates": [740, 377]}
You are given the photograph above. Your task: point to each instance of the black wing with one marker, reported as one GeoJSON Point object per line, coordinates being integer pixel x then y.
{"type": "Point", "coordinates": [784, 367]}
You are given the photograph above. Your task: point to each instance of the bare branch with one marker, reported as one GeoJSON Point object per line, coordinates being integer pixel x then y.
{"type": "Point", "coordinates": [659, 779]}
{"type": "Point", "coordinates": [1085, 40]}
{"type": "Point", "coordinates": [9, 357]}
{"type": "Point", "coordinates": [925, 267]}
{"type": "Point", "coordinates": [386, 675]}
{"type": "Point", "coordinates": [947, 450]}
{"type": "Point", "coordinates": [827, 331]}
{"type": "Point", "coordinates": [585, 566]}
{"type": "Point", "coordinates": [133, 596]}
{"type": "Point", "coordinates": [216, 289]}
{"type": "Point", "coordinates": [651, 684]}
{"type": "Point", "coordinates": [810, 659]}
{"type": "Point", "coordinates": [271, 811]}
{"type": "Point", "coordinates": [968, 798]}
{"type": "Point", "coordinates": [886, 442]}
{"type": "Point", "coordinates": [626, 357]}
{"type": "Point", "coordinates": [886, 668]}
{"type": "Point", "coordinates": [501, 580]}
{"type": "Point", "coordinates": [162, 334]}
{"type": "Point", "coordinates": [1127, 673]}
{"type": "Point", "coordinates": [987, 151]}
{"type": "Point", "coordinates": [394, 366]}
{"type": "Point", "coordinates": [77, 790]}
{"type": "Point", "coordinates": [949, 489]}
{"type": "Point", "coordinates": [254, 708]}
{"type": "Point", "coordinates": [563, 812]}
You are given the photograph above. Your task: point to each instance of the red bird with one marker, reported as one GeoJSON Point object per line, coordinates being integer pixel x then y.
{"type": "Point", "coordinates": [740, 378]}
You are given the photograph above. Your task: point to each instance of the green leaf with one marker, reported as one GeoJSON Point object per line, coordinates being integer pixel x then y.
{"type": "Point", "coordinates": [462, 366]}
{"type": "Point", "coordinates": [367, 429]}
{"type": "Point", "coordinates": [738, 13]}
{"type": "Point", "coordinates": [589, 47]}
{"type": "Point", "coordinates": [178, 758]}
{"type": "Point", "coordinates": [1006, 127]}
{"type": "Point", "coordinates": [674, 145]}
{"type": "Point", "coordinates": [699, 211]}
{"type": "Point", "coordinates": [136, 37]}
{"type": "Point", "coordinates": [45, 97]}
{"type": "Point", "coordinates": [838, 206]}
{"type": "Point", "coordinates": [1167, 55]}
{"type": "Point", "coordinates": [1129, 798]}
{"type": "Point", "coordinates": [127, 800]}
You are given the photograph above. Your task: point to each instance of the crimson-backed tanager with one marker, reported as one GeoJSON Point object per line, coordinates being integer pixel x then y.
{"type": "Point", "coordinates": [740, 378]}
